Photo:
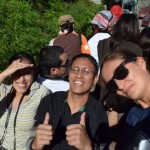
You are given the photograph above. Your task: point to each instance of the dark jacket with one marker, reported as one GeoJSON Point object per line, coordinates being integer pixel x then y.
{"type": "Point", "coordinates": [60, 117]}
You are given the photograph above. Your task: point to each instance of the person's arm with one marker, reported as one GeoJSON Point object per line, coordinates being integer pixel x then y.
{"type": "Point", "coordinates": [113, 118]}
{"type": "Point", "coordinates": [12, 68]}
{"type": "Point", "coordinates": [51, 43]}
{"type": "Point", "coordinates": [42, 131]}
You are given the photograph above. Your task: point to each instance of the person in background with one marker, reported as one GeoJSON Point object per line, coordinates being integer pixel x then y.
{"type": "Point", "coordinates": [72, 42]}
{"type": "Point", "coordinates": [126, 74]}
{"type": "Point", "coordinates": [129, 5]}
{"type": "Point", "coordinates": [125, 35]}
{"type": "Point", "coordinates": [53, 68]}
{"type": "Point", "coordinates": [116, 9]}
{"type": "Point", "coordinates": [127, 28]}
{"type": "Point", "coordinates": [102, 22]}
{"type": "Point", "coordinates": [19, 101]}
{"type": "Point", "coordinates": [70, 120]}
{"type": "Point", "coordinates": [145, 44]}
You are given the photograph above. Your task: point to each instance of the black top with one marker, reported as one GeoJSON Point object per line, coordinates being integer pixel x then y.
{"type": "Point", "coordinates": [60, 117]}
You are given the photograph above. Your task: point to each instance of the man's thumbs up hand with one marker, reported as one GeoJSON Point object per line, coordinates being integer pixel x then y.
{"type": "Point", "coordinates": [76, 135]}
{"type": "Point", "coordinates": [43, 134]}
{"type": "Point", "coordinates": [82, 119]}
{"type": "Point", "coordinates": [47, 118]}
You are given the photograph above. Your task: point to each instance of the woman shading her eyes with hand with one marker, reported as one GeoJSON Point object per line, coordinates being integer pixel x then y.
{"type": "Point", "coordinates": [127, 74]}
{"type": "Point", "coordinates": [18, 101]}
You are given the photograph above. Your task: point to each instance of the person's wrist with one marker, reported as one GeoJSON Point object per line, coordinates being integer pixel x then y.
{"type": "Point", "coordinates": [33, 146]}
{"type": "Point", "coordinates": [88, 147]}
{"type": "Point", "coordinates": [4, 75]}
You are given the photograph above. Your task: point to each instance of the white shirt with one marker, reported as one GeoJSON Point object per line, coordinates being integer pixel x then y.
{"type": "Point", "coordinates": [93, 42]}
{"type": "Point", "coordinates": [54, 85]}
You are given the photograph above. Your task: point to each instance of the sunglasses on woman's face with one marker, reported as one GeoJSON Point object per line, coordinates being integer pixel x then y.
{"type": "Point", "coordinates": [120, 73]}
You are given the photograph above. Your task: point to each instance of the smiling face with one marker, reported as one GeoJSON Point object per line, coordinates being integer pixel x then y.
{"type": "Point", "coordinates": [22, 79]}
{"type": "Point", "coordinates": [134, 85]}
{"type": "Point", "coordinates": [82, 76]}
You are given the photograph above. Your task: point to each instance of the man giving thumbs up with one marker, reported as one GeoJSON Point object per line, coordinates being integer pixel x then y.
{"type": "Point", "coordinates": [75, 116]}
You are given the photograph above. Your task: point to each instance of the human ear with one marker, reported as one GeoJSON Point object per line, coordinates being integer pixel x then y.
{"type": "Point", "coordinates": [94, 83]}
{"type": "Point", "coordinates": [141, 62]}
{"type": "Point", "coordinates": [54, 72]}
{"type": "Point", "coordinates": [96, 78]}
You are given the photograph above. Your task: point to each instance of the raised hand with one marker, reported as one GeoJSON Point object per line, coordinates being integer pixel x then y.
{"type": "Point", "coordinates": [43, 134]}
{"type": "Point", "coordinates": [76, 135]}
{"type": "Point", "coordinates": [16, 65]}
{"type": "Point", "coordinates": [12, 68]}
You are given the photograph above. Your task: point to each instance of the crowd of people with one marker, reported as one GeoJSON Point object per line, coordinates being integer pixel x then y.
{"type": "Point", "coordinates": [86, 93]}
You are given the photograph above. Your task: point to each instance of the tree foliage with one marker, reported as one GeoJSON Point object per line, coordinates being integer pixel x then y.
{"type": "Point", "coordinates": [28, 25]}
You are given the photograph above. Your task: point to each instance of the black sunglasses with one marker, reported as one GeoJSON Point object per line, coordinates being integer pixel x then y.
{"type": "Point", "coordinates": [120, 73]}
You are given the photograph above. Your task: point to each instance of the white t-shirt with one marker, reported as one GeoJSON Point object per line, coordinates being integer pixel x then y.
{"type": "Point", "coordinates": [93, 42]}
{"type": "Point", "coordinates": [54, 85]}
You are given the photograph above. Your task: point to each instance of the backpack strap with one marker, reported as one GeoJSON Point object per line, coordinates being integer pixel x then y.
{"type": "Point", "coordinates": [84, 44]}
{"type": "Point", "coordinates": [80, 39]}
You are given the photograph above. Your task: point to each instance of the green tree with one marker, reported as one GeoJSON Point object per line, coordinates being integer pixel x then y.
{"type": "Point", "coordinates": [27, 28]}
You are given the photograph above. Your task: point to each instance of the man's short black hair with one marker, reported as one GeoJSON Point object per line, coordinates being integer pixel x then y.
{"type": "Point", "coordinates": [89, 57]}
{"type": "Point", "coordinates": [49, 57]}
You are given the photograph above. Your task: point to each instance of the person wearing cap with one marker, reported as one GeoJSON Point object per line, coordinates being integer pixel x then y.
{"type": "Point", "coordinates": [72, 42]}
{"type": "Point", "coordinates": [102, 22]}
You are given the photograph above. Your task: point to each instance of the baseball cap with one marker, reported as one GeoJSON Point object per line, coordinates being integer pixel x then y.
{"type": "Point", "coordinates": [65, 18]}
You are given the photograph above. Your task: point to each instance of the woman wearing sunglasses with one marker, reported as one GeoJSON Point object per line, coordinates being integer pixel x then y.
{"type": "Point", "coordinates": [126, 74]}
{"type": "Point", "coordinates": [18, 101]}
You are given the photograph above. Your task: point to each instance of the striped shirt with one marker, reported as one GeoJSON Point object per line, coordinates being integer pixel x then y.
{"type": "Point", "coordinates": [25, 117]}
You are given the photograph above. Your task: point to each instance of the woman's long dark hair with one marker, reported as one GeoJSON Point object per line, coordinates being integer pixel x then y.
{"type": "Point", "coordinates": [126, 28]}
{"type": "Point", "coordinates": [21, 55]}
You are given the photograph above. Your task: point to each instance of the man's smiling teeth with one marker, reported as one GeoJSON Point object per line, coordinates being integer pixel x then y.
{"type": "Point", "coordinates": [78, 82]}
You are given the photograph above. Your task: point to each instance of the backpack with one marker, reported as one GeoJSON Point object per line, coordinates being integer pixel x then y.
{"type": "Point", "coordinates": [73, 44]}
{"type": "Point", "coordinates": [84, 44]}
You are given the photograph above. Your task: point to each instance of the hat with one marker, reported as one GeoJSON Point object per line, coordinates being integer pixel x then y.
{"type": "Point", "coordinates": [65, 18]}
{"type": "Point", "coordinates": [117, 11]}
{"type": "Point", "coordinates": [104, 19]}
